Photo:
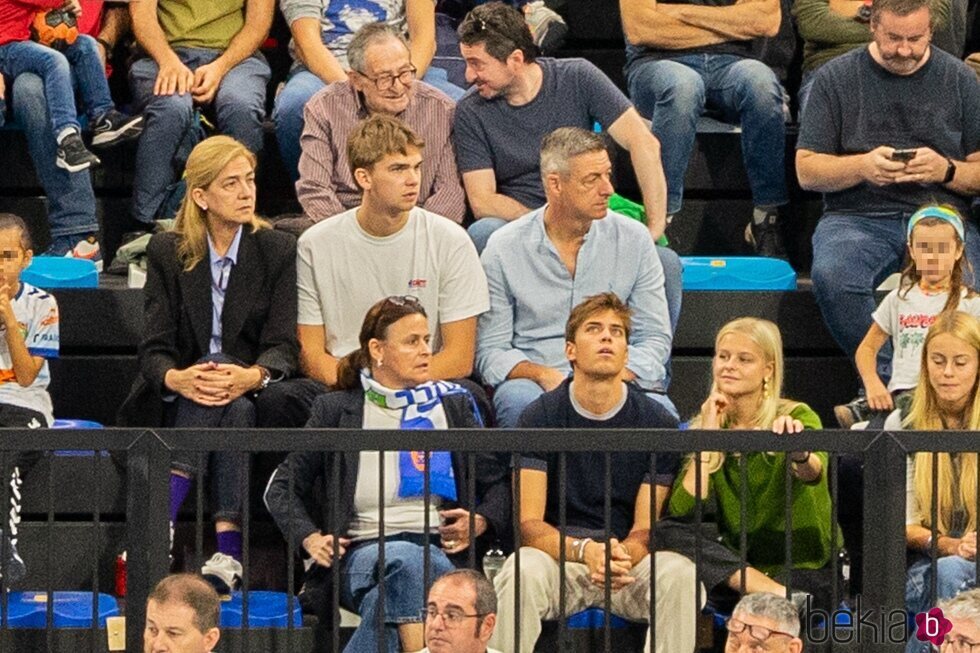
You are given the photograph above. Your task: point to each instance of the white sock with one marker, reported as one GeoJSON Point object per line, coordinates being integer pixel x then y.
{"type": "Point", "coordinates": [64, 132]}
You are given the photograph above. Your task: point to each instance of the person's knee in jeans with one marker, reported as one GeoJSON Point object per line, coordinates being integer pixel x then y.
{"type": "Point", "coordinates": [511, 398]}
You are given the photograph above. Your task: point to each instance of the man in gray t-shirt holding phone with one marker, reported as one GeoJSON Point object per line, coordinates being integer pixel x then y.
{"type": "Point", "coordinates": [887, 128]}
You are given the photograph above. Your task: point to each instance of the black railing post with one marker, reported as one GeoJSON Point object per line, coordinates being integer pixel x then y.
{"type": "Point", "coordinates": [147, 528]}
{"type": "Point", "coordinates": [884, 542]}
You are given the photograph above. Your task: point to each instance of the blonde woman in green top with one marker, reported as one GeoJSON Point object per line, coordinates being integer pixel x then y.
{"type": "Point", "coordinates": [746, 395]}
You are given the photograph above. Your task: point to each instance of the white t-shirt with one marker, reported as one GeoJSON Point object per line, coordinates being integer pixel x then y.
{"type": "Point", "coordinates": [402, 515]}
{"type": "Point", "coordinates": [342, 271]}
{"type": "Point", "coordinates": [37, 315]}
{"type": "Point", "coordinates": [907, 319]}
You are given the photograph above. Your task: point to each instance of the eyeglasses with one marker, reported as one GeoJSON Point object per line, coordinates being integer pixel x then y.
{"type": "Point", "coordinates": [760, 633]}
{"type": "Point", "coordinates": [958, 645]}
{"type": "Point", "coordinates": [451, 617]}
{"type": "Point", "coordinates": [387, 80]}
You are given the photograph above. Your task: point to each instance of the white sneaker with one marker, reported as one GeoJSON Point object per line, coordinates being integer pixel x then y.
{"type": "Point", "coordinates": [88, 249]}
{"type": "Point", "coordinates": [223, 572]}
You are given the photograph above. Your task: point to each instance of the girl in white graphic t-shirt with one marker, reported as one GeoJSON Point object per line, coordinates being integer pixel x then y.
{"type": "Point", "coordinates": [931, 284]}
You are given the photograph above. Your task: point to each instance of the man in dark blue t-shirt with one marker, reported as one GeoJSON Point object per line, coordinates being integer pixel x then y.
{"type": "Point", "coordinates": [685, 55]}
{"type": "Point", "coordinates": [887, 128]}
{"type": "Point", "coordinates": [516, 100]}
{"type": "Point", "coordinates": [596, 339]}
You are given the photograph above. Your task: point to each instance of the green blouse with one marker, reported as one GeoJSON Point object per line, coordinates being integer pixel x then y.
{"type": "Point", "coordinates": [766, 510]}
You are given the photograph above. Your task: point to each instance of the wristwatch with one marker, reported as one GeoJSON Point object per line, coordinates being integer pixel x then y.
{"type": "Point", "coordinates": [950, 171]}
{"type": "Point", "coordinates": [266, 377]}
{"type": "Point", "coordinates": [864, 12]}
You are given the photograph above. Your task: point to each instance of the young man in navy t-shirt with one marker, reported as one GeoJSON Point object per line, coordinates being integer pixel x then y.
{"type": "Point", "coordinates": [595, 397]}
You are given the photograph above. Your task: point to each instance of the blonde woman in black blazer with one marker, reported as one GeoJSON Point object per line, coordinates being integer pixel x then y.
{"type": "Point", "coordinates": [220, 327]}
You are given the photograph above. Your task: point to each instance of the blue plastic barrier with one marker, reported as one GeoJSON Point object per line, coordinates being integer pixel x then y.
{"type": "Point", "coordinates": [265, 610]}
{"type": "Point", "coordinates": [59, 272]}
{"type": "Point", "coordinates": [71, 609]}
{"type": "Point", "coordinates": [736, 273]}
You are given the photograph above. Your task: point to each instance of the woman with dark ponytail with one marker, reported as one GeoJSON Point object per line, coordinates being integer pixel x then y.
{"type": "Point", "coordinates": [385, 384]}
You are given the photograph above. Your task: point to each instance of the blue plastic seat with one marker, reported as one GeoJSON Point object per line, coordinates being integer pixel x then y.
{"type": "Point", "coordinates": [265, 610]}
{"type": "Point", "coordinates": [76, 424]}
{"type": "Point", "coordinates": [28, 609]}
{"type": "Point", "coordinates": [60, 272]}
{"type": "Point", "coordinates": [594, 618]}
{"type": "Point", "coordinates": [736, 273]}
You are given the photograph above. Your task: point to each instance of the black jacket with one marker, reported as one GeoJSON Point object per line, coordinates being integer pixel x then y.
{"type": "Point", "coordinates": [306, 510]}
{"type": "Point", "coordinates": [258, 319]}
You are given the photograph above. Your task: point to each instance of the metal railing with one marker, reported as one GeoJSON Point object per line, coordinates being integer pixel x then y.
{"type": "Point", "coordinates": [148, 458]}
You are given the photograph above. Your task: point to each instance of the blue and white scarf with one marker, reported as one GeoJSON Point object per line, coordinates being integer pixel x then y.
{"type": "Point", "coordinates": [418, 411]}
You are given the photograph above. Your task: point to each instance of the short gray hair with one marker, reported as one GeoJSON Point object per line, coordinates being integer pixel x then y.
{"type": "Point", "coordinates": [564, 144]}
{"type": "Point", "coordinates": [771, 606]}
{"type": "Point", "coordinates": [965, 605]}
{"type": "Point", "coordinates": [366, 37]}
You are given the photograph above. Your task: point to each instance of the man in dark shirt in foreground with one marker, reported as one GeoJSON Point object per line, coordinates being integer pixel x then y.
{"type": "Point", "coordinates": [595, 397]}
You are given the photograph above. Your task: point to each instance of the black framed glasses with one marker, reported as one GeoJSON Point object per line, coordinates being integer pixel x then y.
{"type": "Point", "coordinates": [385, 81]}
{"type": "Point", "coordinates": [452, 617]}
{"type": "Point", "coordinates": [760, 633]}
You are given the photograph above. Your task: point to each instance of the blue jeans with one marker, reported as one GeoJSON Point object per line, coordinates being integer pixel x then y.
{"type": "Point", "coordinates": [674, 92]}
{"type": "Point", "coordinates": [287, 112]}
{"type": "Point", "coordinates": [404, 588]}
{"type": "Point", "coordinates": [852, 255]}
{"type": "Point", "coordinates": [71, 201]}
{"type": "Point", "coordinates": [953, 575]}
{"type": "Point", "coordinates": [79, 61]}
{"type": "Point", "coordinates": [239, 109]}
{"type": "Point", "coordinates": [511, 397]}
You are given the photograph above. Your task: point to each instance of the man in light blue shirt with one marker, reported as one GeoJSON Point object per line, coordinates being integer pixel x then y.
{"type": "Point", "coordinates": [541, 265]}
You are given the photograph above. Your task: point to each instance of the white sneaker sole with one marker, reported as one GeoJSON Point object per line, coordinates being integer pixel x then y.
{"type": "Point", "coordinates": [128, 130]}
{"type": "Point", "coordinates": [64, 165]}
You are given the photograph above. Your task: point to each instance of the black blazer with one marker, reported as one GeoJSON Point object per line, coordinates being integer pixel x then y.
{"type": "Point", "coordinates": [258, 319]}
{"type": "Point", "coordinates": [306, 510]}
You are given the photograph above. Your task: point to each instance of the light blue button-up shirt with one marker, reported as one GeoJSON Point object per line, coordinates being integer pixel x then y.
{"type": "Point", "coordinates": [532, 294]}
{"type": "Point", "coordinates": [220, 272]}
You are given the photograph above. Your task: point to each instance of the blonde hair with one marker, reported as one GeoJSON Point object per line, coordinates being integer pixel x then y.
{"type": "Point", "coordinates": [765, 335]}
{"type": "Point", "coordinates": [204, 164]}
{"type": "Point", "coordinates": [925, 415]}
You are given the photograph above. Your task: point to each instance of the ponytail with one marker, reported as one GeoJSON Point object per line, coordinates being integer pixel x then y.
{"type": "Point", "coordinates": [349, 370]}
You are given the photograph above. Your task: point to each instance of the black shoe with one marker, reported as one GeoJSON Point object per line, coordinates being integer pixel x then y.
{"type": "Point", "coordinates": [114, 128]}
{"type": "Point", "coordinates": [851, 413]}
{"type": "Point", "coordinates": [765, 237]}
{"type": "Point", "coordinates": [72, 155]}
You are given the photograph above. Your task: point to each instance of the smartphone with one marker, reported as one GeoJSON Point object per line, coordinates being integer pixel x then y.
{"type": "Point", "coordinates": [903, 155]}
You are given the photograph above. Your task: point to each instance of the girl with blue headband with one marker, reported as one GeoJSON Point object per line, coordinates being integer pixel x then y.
{"type": "Point", "coordinates": [931, 284]}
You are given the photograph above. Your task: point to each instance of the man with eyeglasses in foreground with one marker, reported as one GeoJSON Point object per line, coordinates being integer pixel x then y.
{"type": "Point", "coordinates": [460, 614]}
{"type": "Point", "coordinates": [381, 80]}
{"type": "Point", "coordinates": [963, 611]}
{"type": "Point", "coordinates": [764, 622]}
